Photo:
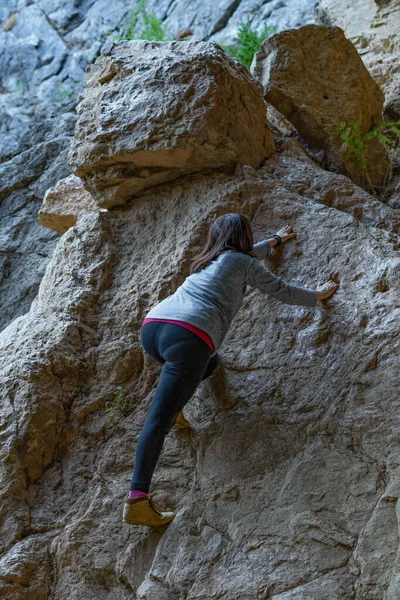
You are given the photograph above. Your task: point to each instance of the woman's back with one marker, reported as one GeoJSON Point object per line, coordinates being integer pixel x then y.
{"type": "Point", "coordinates": [209, 298]}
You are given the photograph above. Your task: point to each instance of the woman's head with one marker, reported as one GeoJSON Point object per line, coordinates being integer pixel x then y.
{"type": "Point", "coordinates": [231, 231]}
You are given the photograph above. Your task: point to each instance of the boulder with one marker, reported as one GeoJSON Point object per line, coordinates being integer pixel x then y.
{"type": "Point", "coordinates": [63, 203]}
{"type": "Point", "coordinates": [315, 77]}
{"type": "Point", "coordinates": [374, 29]}
{"type": "Point", "coordinates": [155, 111]}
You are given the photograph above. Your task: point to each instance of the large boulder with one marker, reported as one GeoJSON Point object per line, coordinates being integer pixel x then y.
{"type": "Point", "coordinates": [373, 26]}
{"type": "Point", "coordinates": [315, 77]}
{"type": "Point", "coordinates": [46, 45]}
{"type": "Point", "coordinates": [154, 111]}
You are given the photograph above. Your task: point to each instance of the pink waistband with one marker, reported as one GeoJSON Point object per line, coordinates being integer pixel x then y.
{"type": "Point", "coordinates": [202, 334]}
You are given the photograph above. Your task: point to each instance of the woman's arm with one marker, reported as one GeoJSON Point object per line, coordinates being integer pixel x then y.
{"type": "Point", "coordinates": [268, 283]}
{"type": "Point", "coordinates": [262, 249]}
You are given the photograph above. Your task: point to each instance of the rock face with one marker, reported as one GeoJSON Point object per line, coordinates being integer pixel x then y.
{"type": "Point", "coordinates": [196, 118]}
{"type": "Point", "coordinates": [26, 246]}
{"type": "Point", "coordinates": [287, 485]}
{"type": "Point", "coordinates": [296, 169]}
{"type": "Point", "coordinates": [288, 482]}
{"type": "Point", "coordinates": [316, 79]}
{"type": "Point", "coordinates": [374, 29]}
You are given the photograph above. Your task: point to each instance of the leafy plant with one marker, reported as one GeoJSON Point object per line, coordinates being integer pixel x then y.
{"type": "Point", "coordinates": [120, 407]}
{"type": "Point", "coordinates": [382, 131]}
{"type": "Point", "coordinates": [151, 26]}
{"type": "Point", "coordinates": [356, 147]}
{"type": "Point", "coordinates": [249, 42]}
{"type": "Point", "coordinates": [353, 144]}
{"type": "Point", "coordinates": [64, 91]}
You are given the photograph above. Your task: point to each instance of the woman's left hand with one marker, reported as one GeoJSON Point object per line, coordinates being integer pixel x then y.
{"type": "Point", "coordinates": [286, 233]}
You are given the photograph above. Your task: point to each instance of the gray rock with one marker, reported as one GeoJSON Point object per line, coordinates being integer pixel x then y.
{"type": "Point", "coordinates": [373, 27]}
{"type": "Point", "coordinates": [25, 245]}
{"type": "Point", "coordinates": [391, 110]}
{"type": "Point", "coordinates": [45, 49]}
{"type": "Point", "coordinates": [287, 486]}
{"type": "Point", "coordinates": [303, 176]}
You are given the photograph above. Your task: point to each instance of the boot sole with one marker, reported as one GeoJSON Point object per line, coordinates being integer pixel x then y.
{"type": "Point", "coordinates": [160, 526]}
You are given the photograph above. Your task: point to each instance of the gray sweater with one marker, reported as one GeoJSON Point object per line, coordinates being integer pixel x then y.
{"type": "Point", "coordinates": [210, 298]}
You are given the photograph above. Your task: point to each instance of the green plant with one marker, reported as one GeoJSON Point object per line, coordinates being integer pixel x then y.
{"type": "Point", "coordinates": [356, 148]}
{"type": "Point", "coordinates": [120, 407]}
{"type": "Point", "coordinates": [352, 143]}
{"type": "Point", "coordinates": [64, 91]}
{"type": "Point", "coordinates": [382, 131]}
{"type": "Point", "coordinates": [249, 42]}
{"type": "Point", "coordinates": [18, 87]}
{"type": "Point", "coordinates": [151, 26]}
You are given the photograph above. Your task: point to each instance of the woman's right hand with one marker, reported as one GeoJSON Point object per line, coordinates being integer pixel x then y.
{"type": "Point", "coordinates": [324, 290]}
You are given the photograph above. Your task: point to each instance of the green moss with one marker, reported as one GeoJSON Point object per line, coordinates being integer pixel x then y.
{"type": "Point", "coordinates": [65, 91]}
{"type": "Point", "coordinates": [18, 87]}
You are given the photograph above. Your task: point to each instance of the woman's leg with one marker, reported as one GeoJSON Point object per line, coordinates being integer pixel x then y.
{"type": "Point", "coordinates": [186, 358]}
{"type": "Point", "coordinates": [212, 363]}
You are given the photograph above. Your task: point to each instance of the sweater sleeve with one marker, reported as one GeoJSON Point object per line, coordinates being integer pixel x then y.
{"type": "Point", "coordinates": [262, 249]}
{"type": "Point", "coordinates": [268, 283]}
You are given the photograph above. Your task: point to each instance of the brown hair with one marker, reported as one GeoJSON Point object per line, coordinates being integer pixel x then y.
{"type": "Point", "coordinates": [231, 231]}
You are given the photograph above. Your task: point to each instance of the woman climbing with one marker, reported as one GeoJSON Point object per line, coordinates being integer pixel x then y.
{"type": "Point", "coordinates": [184, 331]}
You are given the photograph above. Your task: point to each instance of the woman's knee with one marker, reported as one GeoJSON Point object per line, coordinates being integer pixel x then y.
{"type": "Point", "coordinates": [155, 427]}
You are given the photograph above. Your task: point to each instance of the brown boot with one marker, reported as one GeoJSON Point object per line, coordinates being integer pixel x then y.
{"type": "Point", "coordinates": [142, 511]}
{"type": "Point", "coordinates": [181, 422]}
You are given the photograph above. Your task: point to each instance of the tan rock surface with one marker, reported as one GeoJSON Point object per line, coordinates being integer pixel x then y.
{"type": "Point", "coordinates": [314, 77]}
{"type": "Point", "coordinates": [374, 29]}
{"type": "Point", "coordinates": [63, 203]}
{"type": "Point", "coordinates": [154, 111]}
{"type": "Point", "coordinates": [295, 169]}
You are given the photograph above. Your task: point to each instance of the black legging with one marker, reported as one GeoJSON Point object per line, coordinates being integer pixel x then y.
{"type": "Point", "coordinates": [186, 360]}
